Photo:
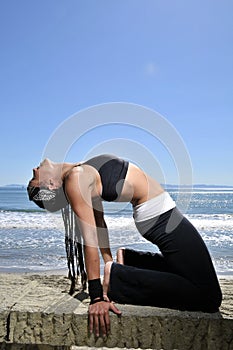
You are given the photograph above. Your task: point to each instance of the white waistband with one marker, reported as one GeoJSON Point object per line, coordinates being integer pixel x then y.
{"type": "Point", "coordinates": [153, 207]}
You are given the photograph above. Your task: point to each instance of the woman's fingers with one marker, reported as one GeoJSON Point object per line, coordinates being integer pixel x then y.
{"type": "Point", "coordinates": [91, 322]}
{"type": "Point", "coordinates": [114, 309]}
{"type": "Point", "coordinates": [96, 325]}
{"type": "Point", "coordinates": [99, 320]}
{"type": "Point", "coordinates": [104, 323]}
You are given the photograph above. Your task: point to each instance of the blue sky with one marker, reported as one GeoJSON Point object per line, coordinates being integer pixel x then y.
{"type": "Point", "coordinates": [175, 57]}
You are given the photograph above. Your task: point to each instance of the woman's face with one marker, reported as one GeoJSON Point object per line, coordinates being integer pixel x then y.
{"type": "Point", "coordinates": [42, 173]}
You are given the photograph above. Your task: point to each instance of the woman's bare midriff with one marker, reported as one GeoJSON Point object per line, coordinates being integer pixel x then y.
{"type": "Point", "coordinates": [139, 187]}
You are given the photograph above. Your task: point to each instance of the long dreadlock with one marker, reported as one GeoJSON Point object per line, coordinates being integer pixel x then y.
{"type": "Point", "coordinates": [74, 249]}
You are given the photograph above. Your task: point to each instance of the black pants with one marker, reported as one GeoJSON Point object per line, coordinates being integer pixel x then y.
{"type": "Point", "coordinates": [181, 277]}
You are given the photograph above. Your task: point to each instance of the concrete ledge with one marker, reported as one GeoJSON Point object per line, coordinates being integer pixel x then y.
{"type": "Point", "coordinates": [36, 312]}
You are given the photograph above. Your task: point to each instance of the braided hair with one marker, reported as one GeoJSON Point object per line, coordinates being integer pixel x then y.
{"type": "Point", "coordinates": [74, 249]}
{"type": "Point", "coordinates": [54, 200]}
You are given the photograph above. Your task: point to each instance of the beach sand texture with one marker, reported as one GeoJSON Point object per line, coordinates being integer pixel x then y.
{"type": "Point", "coordinates": [37, 309]}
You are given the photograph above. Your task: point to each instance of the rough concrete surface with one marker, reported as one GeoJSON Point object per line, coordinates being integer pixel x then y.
{"type": "Point", "coordinates": [37, 313]}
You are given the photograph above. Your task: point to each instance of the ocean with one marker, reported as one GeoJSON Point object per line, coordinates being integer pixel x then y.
{"type": "Point", "coordinates": [32, 240]}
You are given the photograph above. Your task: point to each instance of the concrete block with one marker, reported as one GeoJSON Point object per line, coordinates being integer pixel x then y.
{"type": "Point", "coordinates": [38, 313]}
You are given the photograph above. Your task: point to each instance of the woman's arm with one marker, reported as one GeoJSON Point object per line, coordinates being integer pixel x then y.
{"type": "Point", "coordinates": [102, 230]}
{"type": "Point", "coordinates": [79, 188]}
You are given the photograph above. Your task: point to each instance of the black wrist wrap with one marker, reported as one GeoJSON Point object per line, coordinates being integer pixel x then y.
{"type": "Point", "coordinates": [95, 289]}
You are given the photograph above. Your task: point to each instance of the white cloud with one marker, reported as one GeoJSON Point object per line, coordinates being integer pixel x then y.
{"type": "Point", "coordinates": [151, 69]}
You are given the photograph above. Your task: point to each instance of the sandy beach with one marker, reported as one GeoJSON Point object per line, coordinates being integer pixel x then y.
{"type": "Point", "coordinates": [37, 309]}
{"type": "Point", "coordinates": [226, 282]}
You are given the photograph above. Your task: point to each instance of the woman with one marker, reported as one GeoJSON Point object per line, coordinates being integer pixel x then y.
{"type": "Point", "coordinates": [181, 277]}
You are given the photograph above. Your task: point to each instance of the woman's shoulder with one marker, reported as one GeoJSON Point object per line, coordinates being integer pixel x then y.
{"type": "Point", "coordinates": [82, 171]}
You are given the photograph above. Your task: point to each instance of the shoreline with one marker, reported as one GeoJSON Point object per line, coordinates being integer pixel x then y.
{"type": "Point", "coordinates": [24, 271]}
{"type": "Point", "coordinates": [64, 272]}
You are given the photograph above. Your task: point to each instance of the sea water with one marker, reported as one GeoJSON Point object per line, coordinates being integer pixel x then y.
{"type": "Point", "coordinates": [32, 239]}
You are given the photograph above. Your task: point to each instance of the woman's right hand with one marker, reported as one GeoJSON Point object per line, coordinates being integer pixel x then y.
{"type": "Point", "coordinates": [99, 320]}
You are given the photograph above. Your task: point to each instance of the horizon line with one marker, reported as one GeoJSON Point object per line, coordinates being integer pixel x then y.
{"type": "Point", "coordinates": [164, 185]}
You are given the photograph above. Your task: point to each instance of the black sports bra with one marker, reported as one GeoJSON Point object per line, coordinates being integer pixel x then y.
{"type": "Point", "coordinates": [112, 171]}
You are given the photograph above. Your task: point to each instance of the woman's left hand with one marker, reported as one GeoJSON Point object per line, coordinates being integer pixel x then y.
{"type": "Point", "coordinates": [99, 320]}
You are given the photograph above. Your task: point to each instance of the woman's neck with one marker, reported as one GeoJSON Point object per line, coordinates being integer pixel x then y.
{"type": "Point", "coordinates": [66, 169]}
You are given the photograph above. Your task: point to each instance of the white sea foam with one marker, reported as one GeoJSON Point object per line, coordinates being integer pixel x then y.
{"type": "Point", "coordinates": [212, 222]}
{"type": "Point", "coordinates": [36, 239]}
{"type": "Point", "coordinates": [25, 220]}
{"type": "Point", "coordinates": [29, 220]}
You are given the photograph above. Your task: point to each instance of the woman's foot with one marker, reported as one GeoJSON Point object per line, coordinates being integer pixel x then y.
{"type": "Point", "coordinates": [120, 256]}
{"type": "Point", "coordinates": [107, 271]}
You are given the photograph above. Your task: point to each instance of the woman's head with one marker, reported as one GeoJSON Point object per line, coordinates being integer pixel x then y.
{"type": "Point", "coordinates": [52, 200]}
{"type": "Point", "coordinates": [45, 189]}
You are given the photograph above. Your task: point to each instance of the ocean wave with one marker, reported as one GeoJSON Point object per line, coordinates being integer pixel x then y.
{"type": "Point", "coordinates": [35, 241]}
{"type": "Point", "coordinates": [25, 220]}
{"type": "Point", "coordinates": [46, 220]}
{"type": "Point", "coordinates": [211, 222]}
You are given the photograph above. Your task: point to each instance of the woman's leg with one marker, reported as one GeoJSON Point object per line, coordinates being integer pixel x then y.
{"type": "Point", "coordinates": [142, 259]}
{"type": "Point", "coordinates": [190, 281]}
{"type": "Point", "coordinates": [130, 285]}
{"type": "Point", "coordinates": [186, 254]}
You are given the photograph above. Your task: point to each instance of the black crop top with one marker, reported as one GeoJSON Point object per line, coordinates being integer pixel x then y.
{"type": "Point", "coordinates": [112, 171]}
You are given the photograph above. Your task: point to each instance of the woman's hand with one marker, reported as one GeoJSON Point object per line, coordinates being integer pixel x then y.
{"type": "Point", "coordinates": [99, 320]}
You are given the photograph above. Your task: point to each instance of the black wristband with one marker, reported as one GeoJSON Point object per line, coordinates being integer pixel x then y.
{"type": "Point", "coordinates": [96, 301]}
{"type": "Point", "coordinates": [95, 289]}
